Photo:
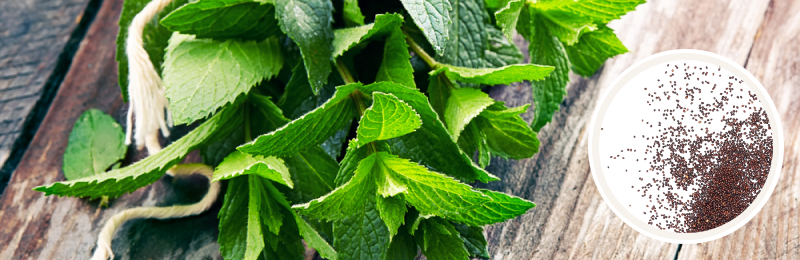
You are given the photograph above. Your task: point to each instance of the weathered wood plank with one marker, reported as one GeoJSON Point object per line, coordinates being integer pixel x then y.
{"type": "Point", "coordinates": [33, 226]}
{"type": "Point", "coordinates": [32, 37]}
{"type": "Point", "coordinates": [775, 61]}
{"type": "Point", "coordinates": [571, 219]}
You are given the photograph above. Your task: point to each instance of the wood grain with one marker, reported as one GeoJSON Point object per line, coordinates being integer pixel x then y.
{"type": "Point", "coordinates": [775, 62]}
{"type": "Point", "coordinates": [32, 37]}
{"type": "Point", "coordinates": [571, 220]}
{"type": "Point", "coordinates": [33, 226]}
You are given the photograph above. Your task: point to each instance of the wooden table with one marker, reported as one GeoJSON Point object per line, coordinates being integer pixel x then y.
{"type": "Point", "coordinates": [570, 221]}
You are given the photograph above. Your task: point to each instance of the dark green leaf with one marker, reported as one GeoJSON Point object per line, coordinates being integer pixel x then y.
{"type": "Point", "coordinates": [402, 246]}
{"type": "Point", "coordinates": [433, 19]}
{"type": "Point", "coordinates": [312, 172]}
{"type": "Point", "coordinates": [467, 35]}
{"type": "Point", "coordinates": [95, 143]}
{"type": "Point", "coordinates": [593, 49]}
{"type": "Point", "coordinates": [395, 66]}
{"type": "Point", "coordinates": [363, 235]}
{"type": "Point", "coordinates": [308, 23]}
{"type": "Point", "coordinates": [473, 240]}
{"type": "Point", "coordinates": [439, 240]}
{"type": "Point", "coordinates": [224, 19]}
{"type": "Point", "coordinates": [566, 25]}
{"type": "Point", "coordinates": [506, 134]}
{"type": "Point", "coordinates": [500, 51]}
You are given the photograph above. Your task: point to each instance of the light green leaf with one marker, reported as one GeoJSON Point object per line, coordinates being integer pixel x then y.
{"type": "Point", "coordinates": [566, 25]}
{"type": "Point", "coordinates": [593, 49]}
{"type": "Point", "coordinates": [95, 143]}
{"type": "Point", "coordinates": [500, 208]}
{"type": "Point", "coordinates": [601, 11]}
{"type": "Point", "coordinates": [508, 15]}
{"type": "Point", "coordinates": [347, 199]}
{"type": "Point", "coordinates": [201, 76]}
{"type": "Point", "coordinates": [363, 235]}
{"type": "Point", "coordinates": [347, 38]}
{"type": "Point", "coordinates": [500, 51]}
{"type": "Point", "coordinates": [312, 172]}
{"type": "Point", "coordinates": [395, 65]}
{"type": "Point", "coordinates": [314, 240]}
{"type": "Point", "coordinates": [224, 19]}
{"type": "Point", "coordinates": [308, 23]}
{"type": "Point", "coordinates": [309, 130]}
{"type": "Point", "coordinates": [387, 118]}
{"type": "Point", "coordinates": [433, 18]}
{"type": "Point", "coordinates": [439, 240]}
{"type": "Point", "coordinates": [507, 135]}
{"type": "Point", "coordinates": [441, 151]}
{"type": "Point", "coordinates": [155, 38]}
{"type": "Point", "coordinates": [402, 246]}
{"type": "Point", "coordinates": [463, 105]}
{"type": "Point", "coordinates": [392, 210]}
{"type": "Point", "coordinates": [238, 163]}
{"type": "Point", "coordinates": [352, 13]}
{"type": "Point", "coordinates": [150, 169]}
{"type": "Point", "coordinates": [474, 240]}
{"type": "Point", "coordinates": [495, 76]}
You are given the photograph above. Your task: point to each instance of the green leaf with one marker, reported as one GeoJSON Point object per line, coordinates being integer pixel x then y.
{"type": "Point", "coordinates": [402, 246]}
{"type": "Point", "coordinates": [463, 105]}
{"type": "Point", "coordinates": [261, 207]}
{"type": "Point", "coordinates": [601, 11]}
{"type": "Point", "coordinates": [439, 92]}
{"type": "Point", "coordinates": [347, 199]}
{"type": "Point", "coordinates": [467, 35]}
{"type": "Point", "coordinates": [567, 26]}
{"type": "Point", "coordinates": [238, 163]}
{"type": "Point", "coordinates": [545, 49]}
{"type": "Point", "coordinates": [439, 240]}
{"type": "Point", "coordinates": [395, 65]}
{"type": "Point", "coordinates": [431, 192]}
{"type": "Point", "coordinates": [506, 134]}
{"type": "Point", "coordinates": [95, 143]}
{"type": "Point", "coordinates": [362, 236]}
{"type": "Point", "coordinates": [474, 240]}
{"type": "Point", "coordinates": [495, 76]}
{"type": "Point", "coordinates": [150, 169]}
{"type": "Point", "coordinates": [433, 18]}
{"type": "Point", "coordinates": [155, 38]}
{"type": "Point", "coordinates": [508, 15]}
{"type": "Point", "coordinates": [352, 13]}
{"type": "Point", "coordinates": [441, 151]}
{"type": "Point", "coordinates": [314, 240]}
{"type": "Point", "coordinates": [308, 23]}
{"type": "Point", "coordinates": [309, 130]}
{"type": "Point", "coordinates": [215, 152]}
{"type": "Point", "coordinates": [387, 118]}
{"type": "Point", "coordinates": [593, 49]}
{"type": "Point", "coordinates": [347, 38]}
{"type": "Point", "coordinates": [312, 172]}
{"type": "Point", "coordinates": [200, 76]}
{"type": "Point", "coordinates": [500, 208]}
{"type": "Point", "coordinates": [392, 211]}
{"type": "Point", "coordinates": [224, 19]}
{"type": "Point", "coordinates": [500, 51]}
{"type": "Point", "coordinates": [297, 93]}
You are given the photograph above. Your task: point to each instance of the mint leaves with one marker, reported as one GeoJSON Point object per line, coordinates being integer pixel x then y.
{"type": "Point", "coordinates": [372, 161]}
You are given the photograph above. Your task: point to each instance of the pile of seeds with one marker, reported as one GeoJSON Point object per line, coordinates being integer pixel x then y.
{"type": "Point", "coordinates": [722, 170]}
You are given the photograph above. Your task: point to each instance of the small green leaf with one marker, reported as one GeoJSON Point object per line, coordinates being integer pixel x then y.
{"type": "Point", "coordinates": [433, 18]}
{"type": "Point", "coordinates": [473, 240]}
{"type": "Point", "coordinates": [593, 50]}
{"type": "Point", "coordinates": [314, 240]}
{"type": "Point", "coordinates": [347, 38]}
{"type": "Point", "coordinates": [155, 38]}
{"type": "Point", "coordinates": [547, 50]}
{"type": "Point", "coordinates": [508, 15]}
{"type": "Point", "coordinates": [506, 134]}
{"type": "Point", "coordinates": [201, 76]}
{"type": "Point", "coordinates": [439, 240]}
{"type": "Point", "coordinates": [388, 117]}
{"type": "Point", "coordinates": [395, 66]}
{"type": "Point", "coordinates": [308, 23]}
{"type": "Point", "coordinates": [238, 163]}
{"type": "Point", "coordinates": [150, 169]}
{"type": "Point", "coordinates": [95, 143]}
{"type": "Point", "coordinates": [463, 105]}
{"type": "Point", "coordinates": [402, 246]}
{"type": "Point", "coordinates": [392, 210]}
{"type": "Point", "coordinates": [352, 13]}
{"type": "Point", "coordinates": [495, 76]}
{"type": "Point", "coordinates": [363, 235]}
{"type": "Point", "coordinates": [309, 130]}
{"type": "Point", "coordinates": [224, 19]}
{"type": "Point", "coordinates": [566, 25]}
{"type": "Point", "coordinates": [441, 151]}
